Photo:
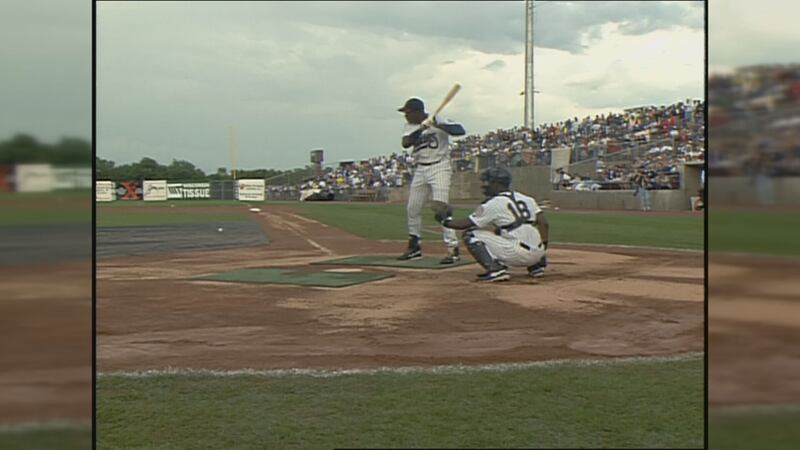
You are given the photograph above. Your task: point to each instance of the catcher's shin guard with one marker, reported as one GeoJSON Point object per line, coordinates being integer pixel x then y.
{"type": "Point", "coordinates": [481, 254]}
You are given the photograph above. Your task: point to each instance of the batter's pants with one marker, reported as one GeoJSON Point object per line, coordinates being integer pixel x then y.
{"type": "Point", "coordinates": [433, 179]}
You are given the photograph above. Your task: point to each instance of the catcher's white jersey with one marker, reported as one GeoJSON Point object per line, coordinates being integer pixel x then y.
{"type": "Point", "coordinates": [434, 143]}
{"type": "Point", "coordinates": [515, 240]}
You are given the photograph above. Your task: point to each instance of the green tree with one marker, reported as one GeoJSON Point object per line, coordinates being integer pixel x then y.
{"type": "Point", "coordinates": [104, 169]}
{"type": "Point", "coordinates": [221, 174]}
{"type": "Point", "coordinates": [181, 170]}
{"type": "Point", "coordinates": [149, 169]}
{"type": "Point", "coordinates": [72, 152]}
{"type": "Point", "coordinates": [22, 149]}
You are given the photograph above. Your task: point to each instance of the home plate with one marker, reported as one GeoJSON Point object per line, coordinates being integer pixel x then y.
{"type": "Point", "coordinates": [344, 270]}
{"type": "Point", "coordinates": [255, 209]}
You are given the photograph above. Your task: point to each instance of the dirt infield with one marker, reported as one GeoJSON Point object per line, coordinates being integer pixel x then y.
{"type": "Point", "coordinates": [592, 303]}
{"type": "Point", "coordinates": [754, 327]}
{"type": "Point", "coordinates": [46, 368]}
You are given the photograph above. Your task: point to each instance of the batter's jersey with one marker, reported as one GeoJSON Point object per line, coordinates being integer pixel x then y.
{"type": "Point", "coordinates": [434, 143]}
{"type": "Point", "coordinates": [512, 214]}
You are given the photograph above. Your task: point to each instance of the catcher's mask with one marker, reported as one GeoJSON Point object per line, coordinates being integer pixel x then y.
{"type": "Point", "coordinates": [495, 180]}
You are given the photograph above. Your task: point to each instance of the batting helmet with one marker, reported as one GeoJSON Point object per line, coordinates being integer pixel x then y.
{"type": "Point", "coordinates": [500, 175]}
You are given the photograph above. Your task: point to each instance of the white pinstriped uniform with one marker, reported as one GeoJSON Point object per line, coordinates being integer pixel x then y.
{"type": "Point", "coordinates": [431, 174]}
{"type": "Point", "coordinates": [520, 246]}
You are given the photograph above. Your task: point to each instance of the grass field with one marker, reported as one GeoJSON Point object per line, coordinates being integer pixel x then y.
{"type": "Point", "coordinates": [48, 208]}
{"type": "Point", "coordinates": [730, 230]}
{"type": "Point", "coordinates": [754, 231]}
{"type": "Point", "coordinates": [748, 429]}
{"type": "Point", "coordinates": [182, 211]}
{"type": "Point", "coordinates": [47, 438]}
{"type": "Point", "coordinates": [685, 232]}
{"type": "Point", "coordinates": [123, 219]}
{"type": "Point", "coordinates": [635, 405]}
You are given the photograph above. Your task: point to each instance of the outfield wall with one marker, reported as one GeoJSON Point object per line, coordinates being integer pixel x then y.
{"type": "Point", "coordinates": [661, 200]}
{"type": "Point", "coordinates": [535, 181]}
{"type": "Point", "coordinates": [748, 191]}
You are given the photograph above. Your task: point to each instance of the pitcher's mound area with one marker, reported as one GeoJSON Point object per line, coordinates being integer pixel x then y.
{"type": "Point", "coordinates": [296, 277]}
{"type": "Point", "coordinates": [392, 261]}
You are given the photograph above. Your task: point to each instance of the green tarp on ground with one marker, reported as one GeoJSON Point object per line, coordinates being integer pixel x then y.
{"type": "Point", "coordinates": [297, 277]}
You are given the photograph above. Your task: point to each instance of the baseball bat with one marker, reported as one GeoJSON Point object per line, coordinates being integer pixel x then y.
{"type": "Point", "coordinates": [452, 93]}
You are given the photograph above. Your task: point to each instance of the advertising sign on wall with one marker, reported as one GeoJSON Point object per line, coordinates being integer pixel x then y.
{"type": "Point", "coordinates": [250, 190]}
{"type": "Point", "coordinates": [155, 190]}
{"type": "Point", "coordinates": [6, 180]}
{"type": "Point", "coordinates": [72, 178]}
{"type": "Point", "coordinates": [34, 177]}
{"type": "Point", "coordinates": [129, 190]}
{"type": "Point", "coordinates": [188, 190]}
{"type": "Point", "coordinates": [104, 191]}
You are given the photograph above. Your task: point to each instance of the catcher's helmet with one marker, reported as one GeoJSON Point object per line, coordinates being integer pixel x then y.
{"type": "Point", "coordinates": [500, 175]}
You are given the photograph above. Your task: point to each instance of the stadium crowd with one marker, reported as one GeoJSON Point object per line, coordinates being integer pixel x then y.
{"type": "Point", "coordinates": [653, 140]}
{"type": "Point", "coordinates": [755, 113]}
{"type": "Point", "coordinates": [588, 138]}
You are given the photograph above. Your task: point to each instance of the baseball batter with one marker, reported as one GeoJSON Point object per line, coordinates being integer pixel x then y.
{"type": "Point", "coordinates": [519, 229]}
{"type": "Point", "coordinates": [432, 170]}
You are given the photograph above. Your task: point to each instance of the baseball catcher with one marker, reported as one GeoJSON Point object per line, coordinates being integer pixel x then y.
{"type": "Point", "coordinates": [508, 229]}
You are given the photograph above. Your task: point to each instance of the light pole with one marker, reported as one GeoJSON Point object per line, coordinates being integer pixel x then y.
{"type": "Point", "coordinates": [529, 91]}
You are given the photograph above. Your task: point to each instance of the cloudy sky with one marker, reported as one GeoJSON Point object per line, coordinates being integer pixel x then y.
{"type": "Point", "coordinates": [745, 32]}
{"type": "Point", "coordinates": [291, 77]}
{"type": "Point", "coordinates": [173, 77]}
{"type": "Point", "coordinates": [46, 80]}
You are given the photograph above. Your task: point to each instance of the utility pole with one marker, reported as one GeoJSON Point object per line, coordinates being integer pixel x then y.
{"type": "Point", "coordinates": [232, 150]}
{"type": "Point", "coordinates": [529, 90]}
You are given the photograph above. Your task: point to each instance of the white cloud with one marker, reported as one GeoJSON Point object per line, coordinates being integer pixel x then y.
{"type": "Point", "coordinates": [292, 77]}
{"type": "Point", "coordinates": [619, 71]}
{"type": "Point", "coordinates": [742, 32]}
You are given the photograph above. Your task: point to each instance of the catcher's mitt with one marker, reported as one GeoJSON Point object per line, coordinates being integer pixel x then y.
{"type": "Point", "coordinates": [443, 212]}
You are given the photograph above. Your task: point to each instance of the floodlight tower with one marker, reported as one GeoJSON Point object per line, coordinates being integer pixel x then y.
{"type": "Point", "coordinates": [529, 123]}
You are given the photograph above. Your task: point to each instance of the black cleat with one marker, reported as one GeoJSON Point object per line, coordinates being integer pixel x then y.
{"type": "Point", "coordinates": [411, 254]}
{"type": "Point", "coordinates": [452, 257]}
{"type": "Point", "coordinates": [537, 270]}
{"type": "Point", "coordinates": [495, 275]}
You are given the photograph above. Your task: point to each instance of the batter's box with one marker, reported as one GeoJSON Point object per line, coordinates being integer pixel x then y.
{"type": "Point", "coordinates": [297, 277]}
{"type": "Point", "coordinates": [392, 261]}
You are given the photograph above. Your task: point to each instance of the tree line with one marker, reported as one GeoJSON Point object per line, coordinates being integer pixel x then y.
{"type": "Point", "coordinates": [181, 170]}
{"type": "Point", "coordinates": [26, 149]}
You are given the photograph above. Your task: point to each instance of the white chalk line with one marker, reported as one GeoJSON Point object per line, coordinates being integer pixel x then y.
{"type": "Point", "coordinates": [294, 229]}
{"type": "Point", "coordinates": [319, 247]}
{"type": "Point", "coordinates": [307, 220]}
{"type": "Point", "coordinates": [412, 370]}
{"type": "Point", "coordinates": [46, 425]}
